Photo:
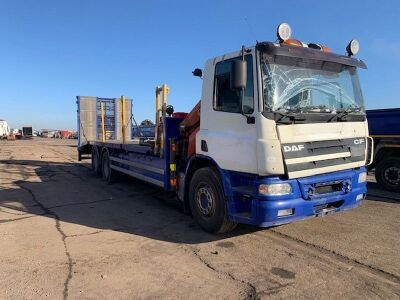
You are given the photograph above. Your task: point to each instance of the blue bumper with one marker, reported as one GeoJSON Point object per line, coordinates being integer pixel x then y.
{"type": "Point", "coordinates": [309, 197]}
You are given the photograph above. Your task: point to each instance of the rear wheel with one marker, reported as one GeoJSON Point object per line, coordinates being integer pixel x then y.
{"type": "Point", "coordinates": [387, 173]}
{"type": "Point", "coordinates": [207, 202]}
{"type": "Point", "coordinates": [107, 173]}
{"type": "Point", "coordinates": [96, 165]}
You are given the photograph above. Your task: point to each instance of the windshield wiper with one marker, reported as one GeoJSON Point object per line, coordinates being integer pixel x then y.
{"type": "Point", "coordinates": [341, 115]}
{"type": "Point", "coordinates": [289, 117]}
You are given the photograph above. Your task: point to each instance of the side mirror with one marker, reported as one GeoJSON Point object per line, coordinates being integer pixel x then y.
{"type": "Point", "coordinates": [197, 72]}
{"type": "Point", "coordinates": [238, 74]}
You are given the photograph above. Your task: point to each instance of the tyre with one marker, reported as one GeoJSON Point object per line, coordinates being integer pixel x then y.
{"type": "Point", "coordinates": [207, 202]}
{"type": "Point", "coordinates": [387, 174]}
{"type": "Point", "coordinates": [96, 164]}
{"type": "Point", "coordinates": [107, 173]}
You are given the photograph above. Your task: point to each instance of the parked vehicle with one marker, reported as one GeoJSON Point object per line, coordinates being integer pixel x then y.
{"type": "Point", "coordinates": [63, 134]}
{"type": "Point", "coordinates": [279, 135]}
{"type": "Point", "coordinates": [47, 133]}
{"type": "Point", "coordinates": [27, 132]}
{"type": "Point", "coordinates": [384, 128]}
{"type": "Point", "coordinates": [4, 129]}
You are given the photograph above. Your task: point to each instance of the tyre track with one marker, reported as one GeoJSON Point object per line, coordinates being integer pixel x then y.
{"type": "Point", "coordinates": [374, 271]}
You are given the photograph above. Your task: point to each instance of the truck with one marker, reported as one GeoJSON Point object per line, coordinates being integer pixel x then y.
{"type": "Point", "coordinates": [384, 128]}
{"type": "Point", "coordinates": [4, 129]}
{"type": "Point", "coordinates": [280, 135]}
{"type": "Point", "coordinates": [27, 131]}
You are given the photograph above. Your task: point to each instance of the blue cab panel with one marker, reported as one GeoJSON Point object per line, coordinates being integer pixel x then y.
{"type": "Point", "coordinates": [310, 197]}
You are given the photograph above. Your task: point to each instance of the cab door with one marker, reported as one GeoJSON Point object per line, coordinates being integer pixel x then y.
{"type": "Point", "coordinates": [225, 134]}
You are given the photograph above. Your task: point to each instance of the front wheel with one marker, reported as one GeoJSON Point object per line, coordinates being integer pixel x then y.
{"type": "Point", "coordinates": [207, 202]}
{"type": "Point", "coordinates": [387, 173]}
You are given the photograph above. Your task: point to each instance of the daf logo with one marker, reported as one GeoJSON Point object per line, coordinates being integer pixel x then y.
{"type": "Point", "coordinates": [358, 141]}
{"type": "Point", "coordinates": [293, 148]}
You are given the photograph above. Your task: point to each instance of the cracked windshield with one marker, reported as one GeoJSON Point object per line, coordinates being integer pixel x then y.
{"type": "Point", "coordinates": [301, 85]}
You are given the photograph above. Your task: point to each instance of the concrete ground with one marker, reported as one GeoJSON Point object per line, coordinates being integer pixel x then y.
{"type": "Point", "coordinates": [65, 234]}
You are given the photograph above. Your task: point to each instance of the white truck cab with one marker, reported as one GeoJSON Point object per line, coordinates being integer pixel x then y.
{"type": "Point", "coordinates": [285, 126]}
{"type": "Point", "coordinates": [304, 111]}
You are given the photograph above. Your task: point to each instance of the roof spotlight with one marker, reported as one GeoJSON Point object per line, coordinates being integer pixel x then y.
{"type": "Point", "coordinates": [284, 32]}
{"type": "Point", "coordinates": [353, 47]}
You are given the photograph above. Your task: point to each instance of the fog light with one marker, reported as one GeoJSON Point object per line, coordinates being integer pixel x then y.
{"type": "Point", "coordinates": [275, 189]}
{"type": "Point", "coordinates": [353, 47]}
{"type": "Point", "coordinates": [360, 197]}
{"type": "Point", "coordinates": [284, 32]}
{"type": "Point", "coordinates": [285, 212]}
{"type": "Point", "coordinates": [362, 177]}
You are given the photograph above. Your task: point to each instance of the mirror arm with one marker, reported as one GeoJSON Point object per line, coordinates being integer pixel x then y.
{"type": "Point", "coordinates": [249, 119]}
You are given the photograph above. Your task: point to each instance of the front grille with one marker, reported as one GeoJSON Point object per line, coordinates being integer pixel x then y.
{"type": "Point", "coordinates": [311, 191]}
{"type": "Point", "coordinates": [319, 154]}
{"type": "Point", "coordinates": [328, 188]}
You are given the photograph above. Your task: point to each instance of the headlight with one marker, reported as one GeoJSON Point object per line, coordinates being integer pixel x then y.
{"type": "Point", "coordinates": [275, 189]}
{"type": "Point", "coordinates": [362, 177]}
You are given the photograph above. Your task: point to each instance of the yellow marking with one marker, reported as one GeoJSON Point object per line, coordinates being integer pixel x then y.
{"type": "Point", "coordinates": [165, 92]}
{"type": "Point", "coordinates": [158, 108]}
{"type": "Point", "coordinates": [172, 167]}
{"type": "Point", "coordinates": [103, 131]}
{"type": "Point", "coordinates": [123, 120]}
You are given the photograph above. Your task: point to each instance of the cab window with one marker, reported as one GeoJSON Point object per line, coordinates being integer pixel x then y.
{"type": "Point", "coordinates": [230, 100]}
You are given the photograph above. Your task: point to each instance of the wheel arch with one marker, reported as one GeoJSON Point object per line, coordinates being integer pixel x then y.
{"type": "Point", "coordinates": [195, 163]}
